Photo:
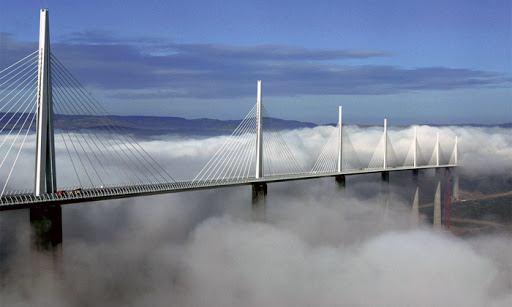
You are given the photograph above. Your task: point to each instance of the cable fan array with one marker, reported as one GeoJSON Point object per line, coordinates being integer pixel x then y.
{"type": "Point", "coordinates": [377, 160]}
{"type": "Point", "coordinates": [235, 160]}
{"type": "Point", "coordinates": [327, 161]}
{"type": "Point", "coordinates": [104, 141]}
{"type": "Point", "coordinates": [103, 155]}
{"type": "Point", "coordinates": [96, 153]}
{"type": "Point", "coordinates": [18, 101]}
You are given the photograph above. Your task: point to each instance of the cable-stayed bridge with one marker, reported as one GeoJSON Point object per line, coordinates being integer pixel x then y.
{"type": "Point", "coordinates": [38, 92]}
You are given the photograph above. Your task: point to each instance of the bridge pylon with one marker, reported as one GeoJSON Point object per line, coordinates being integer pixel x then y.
{"type": "Point", "coordinates": [438, 148]}
{"type": "Point", "coordinates": [46, 181]}
{"type": "Point", "coordinates": [436, 218]}
{"type": "Point", "coordinates": [340, 139]}
{"type": "Point", "coordinates": [415, 213]}
{"type": "Point", "coordinates": [259, 195]}
{"type": "Point", "coordinates": [259, 134]}
{"type": "Point", "coordinates": [340, 179]}
{"type": "Point", "coordinates": [415, 148]}
{"type": "Point", "coordinates": [259, 190]}
{"type": "Point", "coordinates": [385, 160]}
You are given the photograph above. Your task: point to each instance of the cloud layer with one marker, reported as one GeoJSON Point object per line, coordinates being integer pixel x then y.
{"type": "Point", "coordinates": [316, 248]}
{"type": "Point", "coordinates": [482, 152]}
{"type": "Point", "coordinates": [149, 68]}
{"type": "Point", "coordinates": [195, 250]}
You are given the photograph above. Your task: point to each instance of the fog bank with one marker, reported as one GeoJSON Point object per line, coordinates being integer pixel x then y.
{"type": "Point", "coordinates": [317, 246]}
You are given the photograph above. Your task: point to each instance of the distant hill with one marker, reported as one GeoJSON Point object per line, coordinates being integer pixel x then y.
{"type": "Point", "coordinates": [505, 125]}
{"type": "Point", "coordinates": [153, 125]}
{"type": "Point", "coordinates": [156, 125]}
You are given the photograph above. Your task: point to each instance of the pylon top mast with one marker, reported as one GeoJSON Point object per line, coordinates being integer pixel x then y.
{"type": "Point", "coordinates": [45, 148]}
{"type": "Point", "coordinates": [259, 134]}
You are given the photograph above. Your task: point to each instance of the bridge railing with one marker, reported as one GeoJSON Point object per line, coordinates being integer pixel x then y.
{"type": "Point", "coordinates": [27, 197]}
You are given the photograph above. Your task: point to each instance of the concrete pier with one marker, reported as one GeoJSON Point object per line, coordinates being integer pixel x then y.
{"type": "Point", "coordinates": [46, 228]}
{"type": "Point", "coordinates": [437, 202]}
{"type": "Point", "coordinates": [415, 213]}
{"type": "Point", "coordinates": [259, 194]}
{"type": "Point", "coordinates": [340, 181]}
{"type": "Point", "coordinates": [384, 191]}
{"type": "Point", "coordinates": [46, 241]}
{"type": "Point", "coordinates": [455, 193]}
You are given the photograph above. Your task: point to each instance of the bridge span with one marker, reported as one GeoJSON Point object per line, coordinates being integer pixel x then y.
{"type": "Point", "coordinates": [87, 194]}
{"type": "Point", "coordinates": [38, 89]}
{"type": "Point", "coordinates": [255, 153]}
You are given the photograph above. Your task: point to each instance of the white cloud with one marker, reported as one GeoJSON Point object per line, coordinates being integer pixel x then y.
{"type": "Point", "coordinates": [316, 248]}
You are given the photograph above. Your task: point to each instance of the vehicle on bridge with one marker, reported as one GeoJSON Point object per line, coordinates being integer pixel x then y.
{"type": "Point", "coordinates": [75, 192]}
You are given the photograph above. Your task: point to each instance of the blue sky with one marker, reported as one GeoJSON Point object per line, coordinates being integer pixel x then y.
{"type": "Point", "coordinates": [409, 61]}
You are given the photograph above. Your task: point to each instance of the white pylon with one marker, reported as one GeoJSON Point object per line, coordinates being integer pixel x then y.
{"type": "Point", "coordinates": [415, 213]}
{"type": "Point", "coordinates": [385, 143]}
{"type": "Point", "coordinates": [415, 148]}
{"type": "Point", "coordinates": [259, 134]}
{"type": "Point", "coordinates": [45, 149]}
{"type": "Point", "coordinates": [437, 203]}
{"type": "Point", "coordinates": [437, 150]}
{"type": "Point", "coordinates": [456, 151]}
{"type": "Point", "coordinates": [455, 193]}
{"type": "Point", "coordinates": [340, 136]}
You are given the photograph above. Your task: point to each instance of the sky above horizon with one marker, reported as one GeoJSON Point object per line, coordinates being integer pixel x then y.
{"type": "Point", "coordinates": [410, 61]}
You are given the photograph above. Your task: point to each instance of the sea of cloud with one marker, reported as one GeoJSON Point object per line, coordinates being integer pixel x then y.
{"type": "Point", "coordinates": [316, 247]}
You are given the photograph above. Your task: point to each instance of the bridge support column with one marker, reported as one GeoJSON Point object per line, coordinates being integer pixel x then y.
{"type": "Point", "coordinates": [415, 213]}
{"type": "Point", "coordinates": [339, 167]}
{"type": "Point", "coordinates": [259, 194]}
{"type": "Point", "coordinates": [46, 240]}
{"type": "Point", "coordinates": [447, 197]}
{"type": "Point", "coordinates": [340, 181]}
{"type": "Point", "coordinates": [384, 190]}
{"type": "Point", "coordinates": [259, 133]}
{"type": "Point", "coordinates": [46, 228]}
{"type": "Point", "coordinates": [436, 219]}
{"type": "Point", "coordinates": [385, 159]}
{"type": "Point", "coordinates": [455, 195]}
{"type": "Point", "coordinates": [415, 149]}
{"type": "Point", "coordinates": [45, 149]}
{"type": "Point", "coordinates": [438, 148]}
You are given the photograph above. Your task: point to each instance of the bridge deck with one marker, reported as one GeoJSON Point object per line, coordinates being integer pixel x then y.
{"type": "Point", "coordinates": [26, 200]}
